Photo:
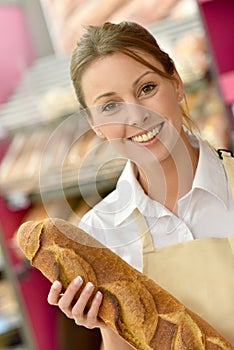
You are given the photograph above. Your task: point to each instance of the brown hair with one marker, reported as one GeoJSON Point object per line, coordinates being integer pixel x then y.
{"type": "Point", "coordinates": [126, 37]}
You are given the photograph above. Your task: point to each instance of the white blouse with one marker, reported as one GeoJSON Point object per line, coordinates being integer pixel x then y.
{"type": "Point", "coordinates": [206, 211]}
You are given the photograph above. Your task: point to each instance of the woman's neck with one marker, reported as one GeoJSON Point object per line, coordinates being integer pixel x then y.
{"type": "Point", "coordinates": [168, 180]}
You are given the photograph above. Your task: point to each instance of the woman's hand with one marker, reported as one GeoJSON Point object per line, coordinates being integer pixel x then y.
{"type": "Point", "coordinates": [83, 316]}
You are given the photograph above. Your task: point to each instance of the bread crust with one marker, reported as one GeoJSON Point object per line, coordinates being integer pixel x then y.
{"type": "Point", "coordinates": [133, 305]}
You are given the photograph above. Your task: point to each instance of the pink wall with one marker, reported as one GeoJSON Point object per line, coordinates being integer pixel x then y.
{"type": "Point", "coordinates": [16, 49]}
{"type": "Point", "coordinates": [219, 21]}
{"type": "Point", "coordinates": [218, 18]}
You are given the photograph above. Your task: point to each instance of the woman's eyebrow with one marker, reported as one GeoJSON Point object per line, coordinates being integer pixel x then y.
{"type": "Point", "coordinates": [141, 76]}
{"type": "Point", "coordinates": [107, 94]}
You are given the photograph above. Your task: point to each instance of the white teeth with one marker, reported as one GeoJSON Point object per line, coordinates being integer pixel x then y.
{"type": "Point", "coordinates": [147, 137]}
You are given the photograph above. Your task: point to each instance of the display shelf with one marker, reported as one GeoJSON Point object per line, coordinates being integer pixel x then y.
{"type": "Point", "coordinates": [226, 81]}
{"type": "Point", "coordinates": [14, 329]}
{"type": "Point", "coordinates": [53, 168]}
{"type": "Point", "coordinates": [169, 31]}
{"type": "Point", "coordinates": [51, 185]}
{"type": "Point", "coordinates": [27, 107]}
{"type": "Point", "coordinates": [10, 330]}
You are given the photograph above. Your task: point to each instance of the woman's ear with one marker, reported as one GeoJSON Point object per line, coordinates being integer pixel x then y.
{"type": "Point", "coordinates": [88, 117]}
{"type": "Point", "coordinates": [98, 132]}
{"type": "Point", "coordinates": [179, 86]}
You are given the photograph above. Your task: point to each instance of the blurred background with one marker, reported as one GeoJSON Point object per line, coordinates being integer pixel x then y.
{"type": "Point", "coordinates": [51, 164]}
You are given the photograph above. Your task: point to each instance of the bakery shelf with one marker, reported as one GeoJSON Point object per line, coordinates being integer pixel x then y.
{"type": "Point", "coordinates": [227, 86]}
{"type": "Point", "coordinates": [45, 83]}
{"type": "Point", "coordinates": [53, 161]}
{"type": "Point", "coordinates": [9, 324]}
{"type": "Point", "coordinates": [57, 185]}
{"type": "Point", "coordinates": [13, 321]}
{"type": "Point", "coordinates": [169, 31]}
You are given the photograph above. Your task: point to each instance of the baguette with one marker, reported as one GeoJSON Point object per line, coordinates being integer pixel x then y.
{"type": "Point", "coordinates": [134, 306]}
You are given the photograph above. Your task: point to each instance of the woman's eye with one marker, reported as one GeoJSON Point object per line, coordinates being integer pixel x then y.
{"type": "Point", "coordinates": [110, 106]}
{"type": "Point", "coordinates": [148, 88]}
{"type": "Point", "coordinates": [108, 109]}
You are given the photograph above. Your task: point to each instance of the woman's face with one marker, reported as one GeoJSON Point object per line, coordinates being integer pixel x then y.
{"type": "Point", "coordinates": [132, 106]}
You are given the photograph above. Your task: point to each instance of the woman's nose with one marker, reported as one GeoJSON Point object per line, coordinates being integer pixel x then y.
{"type": "Point", "coordinates": [136, 114]}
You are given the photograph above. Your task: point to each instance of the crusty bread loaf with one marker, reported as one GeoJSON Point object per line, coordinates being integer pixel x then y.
{"type": "Point", "coordinates": [133, 305]}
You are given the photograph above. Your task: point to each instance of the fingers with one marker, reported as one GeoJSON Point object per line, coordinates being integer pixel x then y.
{"type": "Point", "coordinates": [65, 302]}
{"type": "Point", "coordinates": [54, 293]}
{"type": "Point", "coordinates": [88, 319]}
{"type": "Point", "coordinates": [82, 315]}
{"type": "Point", "coordinates": [83, 299]}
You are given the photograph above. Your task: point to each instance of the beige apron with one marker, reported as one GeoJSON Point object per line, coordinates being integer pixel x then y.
{"type": "Point", "coordinates": [199, 273]}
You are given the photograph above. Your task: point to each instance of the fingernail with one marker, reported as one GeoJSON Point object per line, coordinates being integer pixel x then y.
{"type": "Point", "coordinates": [56, 285]}
{"type": "Point", "coordinates": [78, 280]}
{"type": "Point", "coordinates": [89, 286]}
{"type": "Point", "coordinates": [98, 295]}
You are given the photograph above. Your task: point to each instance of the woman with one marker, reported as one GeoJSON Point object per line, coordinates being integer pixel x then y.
{"type": "Point", "coordinates": [174, 187]}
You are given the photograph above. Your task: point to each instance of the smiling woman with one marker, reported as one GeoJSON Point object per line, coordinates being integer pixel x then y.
{"type": "Point", "coordinates": [167, 200]}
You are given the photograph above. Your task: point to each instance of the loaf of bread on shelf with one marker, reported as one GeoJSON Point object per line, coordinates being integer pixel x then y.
{"type": "Point", "coordinates": [134, 306]}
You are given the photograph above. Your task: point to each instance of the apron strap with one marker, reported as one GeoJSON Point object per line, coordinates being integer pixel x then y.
{"type": "Point", "coordinates": [231, 242]}
{"type": "Point", "coordinates": [144, 233]}
{"type": "Point", "coordinates": [228, 162]}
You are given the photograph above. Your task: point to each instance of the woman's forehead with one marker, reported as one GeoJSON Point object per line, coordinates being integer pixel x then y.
{"type": "Point", "coordinates": [117, 61]}
{"type": "Point", "coordinates": [111, 73]}
{"type": "Point", "coordinates": [131, 55]}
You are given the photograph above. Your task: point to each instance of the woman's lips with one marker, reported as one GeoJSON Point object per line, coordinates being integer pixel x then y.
{"type": "Point", "coordinates": [148, 136]}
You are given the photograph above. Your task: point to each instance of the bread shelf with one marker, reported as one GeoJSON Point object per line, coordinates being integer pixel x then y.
{"type": "Point", "coordinates": [168, 31]}
{"type": "Point", "coordinates": [14, 332]}
{"type": "Point", "coordinates": [10, 324]}
{"type": "Point", "coordinates": [28, 107]}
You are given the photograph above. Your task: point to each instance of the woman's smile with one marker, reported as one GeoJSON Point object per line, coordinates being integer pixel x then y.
{"type": "Point", "coordinates": [149, 137]}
